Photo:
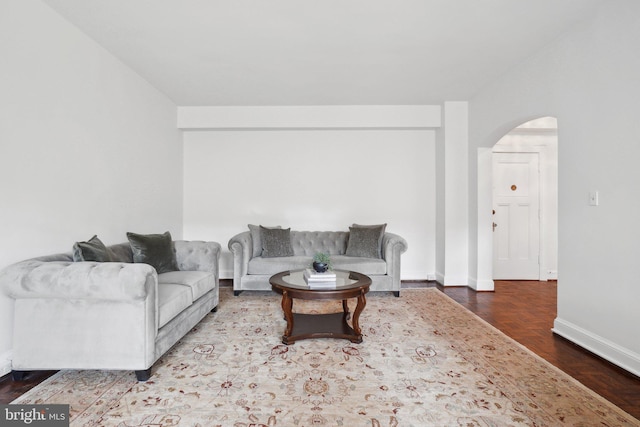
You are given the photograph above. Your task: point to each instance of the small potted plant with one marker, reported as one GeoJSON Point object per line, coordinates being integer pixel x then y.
{"type": "Point", "coordinates": [321, 262]}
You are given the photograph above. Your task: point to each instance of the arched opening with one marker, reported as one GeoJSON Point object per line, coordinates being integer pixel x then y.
{"type": "Point", "coordinates": [524, 202]}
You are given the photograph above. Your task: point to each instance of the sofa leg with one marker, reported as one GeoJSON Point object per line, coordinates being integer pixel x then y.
{"type": "Point", "coordinates": [143, 375]}
{"type": "Point", "coordinates": [214, 309]}
{"type": "Point", "coordinates": [397, 294]}
{"type": "Point", "coordinates": [18, 375]}
{"type": "Point", "coordinates": [236, 293]}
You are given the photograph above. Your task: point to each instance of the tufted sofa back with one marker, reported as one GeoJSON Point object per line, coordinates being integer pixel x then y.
{"type": "Point", "coordinates": [122, 251]}
{"type": "Point", "coordinates": [307, 243]}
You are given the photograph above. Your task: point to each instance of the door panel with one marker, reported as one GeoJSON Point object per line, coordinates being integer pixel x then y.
{"type": "Point", "coordinates": [516, 239]}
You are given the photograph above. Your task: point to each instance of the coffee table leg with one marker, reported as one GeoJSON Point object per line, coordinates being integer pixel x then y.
{"type": "Point", "coordinates": [345, 309]}
{"type": "Point", "coordinates": [287, 305]}
{"type": "Point", "coordinates": [362, 302]}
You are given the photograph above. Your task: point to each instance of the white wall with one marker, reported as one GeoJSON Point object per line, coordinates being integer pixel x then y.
{"type": "Point", "coordinates": [310, 117]}
{"type": "Point", "coordinates": [86, 146]}
{"type": "Point", "coordinates": [456, 195]}
{"type": "Point", "coordinates": [441, 220]}
{"type": "Point", "coordinates": [310, 179]}
{"type": "Point", "coordinates": [588, 80]}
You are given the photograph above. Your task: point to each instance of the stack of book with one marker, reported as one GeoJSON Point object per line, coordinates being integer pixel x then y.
{"type": "Point", "coordinates": [315, 280]}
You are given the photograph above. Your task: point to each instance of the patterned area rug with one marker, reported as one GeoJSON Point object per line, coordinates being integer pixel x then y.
{"type": "Point", "coordinates": [425, 361]}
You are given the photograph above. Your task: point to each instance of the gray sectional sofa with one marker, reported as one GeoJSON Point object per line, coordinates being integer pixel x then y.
{"type": "Point", "coordinates": [253, 265]}
{"type": "Point", "coordinates": [107, 315]}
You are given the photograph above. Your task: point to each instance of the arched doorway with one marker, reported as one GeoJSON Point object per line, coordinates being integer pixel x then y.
{"type": "Point", "coordinates": [524, 211]}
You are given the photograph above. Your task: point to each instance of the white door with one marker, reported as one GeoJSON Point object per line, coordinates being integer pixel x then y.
{"type": "Point", "coordinates": [516, 237]}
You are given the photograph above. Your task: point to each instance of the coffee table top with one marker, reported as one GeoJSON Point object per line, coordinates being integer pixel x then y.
{"type": "Point", "coordinates": [347, 283]}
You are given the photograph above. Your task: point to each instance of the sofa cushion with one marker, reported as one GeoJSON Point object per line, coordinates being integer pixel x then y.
{"type": "Point", "coordinates": [365, 240]}
{"type": "Point", "coordinates": [200, 282]}
{"type": "Point", "coordinates": [271, 266]}
{"type": "Point", "coordinates": [172, 299]}
{"type": "Point", "coordinates": [91, 250]}
{"type": "Point", "coordinates": [360, 264]}
{"type": "Point", "coordinates": [262, 265]}
{"type": "Point", "coordinates": [155, 250]}
{"type": "Point", "coordinates": [276, 242]}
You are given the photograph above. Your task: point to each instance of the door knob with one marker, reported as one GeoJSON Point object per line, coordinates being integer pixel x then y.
{"type": "Point", "coordinates": [494, 226]}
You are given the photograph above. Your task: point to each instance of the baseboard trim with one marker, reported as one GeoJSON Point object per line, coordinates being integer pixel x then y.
{"type": "Point", "coordinates": [618, 355]}
{"type": "Point", "coordinates": [226, 274]}
{"type": "Point", "coordinates": [5, 363]}
{"type": "Point", "coordinates": [481, 285]}
{"type": "Point", "coordinates": [455, 281]}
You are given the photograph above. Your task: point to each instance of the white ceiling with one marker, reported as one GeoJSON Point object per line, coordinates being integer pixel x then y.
{"type": "Point", "coordinates": [322, 52]}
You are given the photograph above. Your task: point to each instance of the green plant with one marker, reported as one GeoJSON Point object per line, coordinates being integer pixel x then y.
{"type": "Point", "coordinates": [322, 257]}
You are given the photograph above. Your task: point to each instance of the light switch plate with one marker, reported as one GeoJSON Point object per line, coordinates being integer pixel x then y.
{"type": "Point", "coordinates": [593, 198]}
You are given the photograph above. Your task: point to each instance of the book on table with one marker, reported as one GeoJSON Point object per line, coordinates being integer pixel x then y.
{"type": "Point", "coordinates": [322, 284]}
{"type": "Point", "coordinates": [315, 280]}
{"type": "Point", "coordinates": [328, 276]}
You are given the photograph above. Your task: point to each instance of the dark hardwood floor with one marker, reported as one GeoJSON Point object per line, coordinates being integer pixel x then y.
{"type": "Point", "coordinates": [523, 310]}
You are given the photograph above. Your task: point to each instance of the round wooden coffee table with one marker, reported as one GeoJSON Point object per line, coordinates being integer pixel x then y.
{"type": "Point", "coordinates": [349, 284]}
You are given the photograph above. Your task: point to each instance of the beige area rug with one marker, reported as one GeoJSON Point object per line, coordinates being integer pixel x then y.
{"type": "Point", "coordinates": [425, 361]}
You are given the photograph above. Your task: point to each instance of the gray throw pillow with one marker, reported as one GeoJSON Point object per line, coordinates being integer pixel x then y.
{"type": "Point", "coordinates": [155, 250]}
{"type": "Point", "coordinates": [121, 252]}
{"type": "Point", "coordinates": [256, 238]}
{"type": "Point", "coordinates": [365, 240]}
{"type": "Point", "coordinates": [91, 250]}
{"type": "Point", "coordinates": [276, 242]}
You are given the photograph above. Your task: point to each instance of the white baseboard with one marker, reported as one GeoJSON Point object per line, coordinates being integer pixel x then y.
{"type": "Point", "coordinates": [620, 356]}
{"type": "Point", "coordinates": [416, 275]}
{"type": "Point", "coordinates": [5, 363]}
{"type": "Point", "coordinates": [470, 282]}
{"type": "Point", "coordinates": [455, 281]}
{"type": "Point", "coordinates": [481, 285]}
{"type": "Point", "coordinates": [226, 274]}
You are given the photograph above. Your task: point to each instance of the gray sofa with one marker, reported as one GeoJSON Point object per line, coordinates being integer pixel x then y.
{"type": "Point", "coordinates": [251, 270]}
{"type": "Point", "coordinates": [107, 315]}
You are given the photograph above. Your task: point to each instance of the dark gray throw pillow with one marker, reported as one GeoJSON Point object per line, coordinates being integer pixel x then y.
{"type": "Point", "coordinates": [256, 239]}
{"type": "Point", "coordinates": [276, 242]}
{"type": "Point", "coordinates": [91, 250]}
{"type": "Point", "coordinates": [155, 250]}
{"type": "Point", "coordinates": [365, 240]}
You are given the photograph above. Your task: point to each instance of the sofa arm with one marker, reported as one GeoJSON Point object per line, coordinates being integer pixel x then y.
{"type": "Point", "coordinates": [112, 281]}
{"type": "Point", "coordinates": [393, 246]}
{"type": "Point", "coordinates": [241, 246]}
{"type": "Point", "coordinates": [195, 255]}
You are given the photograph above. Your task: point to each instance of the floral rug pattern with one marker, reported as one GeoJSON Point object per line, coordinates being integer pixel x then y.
{"type": "Point", "coordinates": [425, 361]}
